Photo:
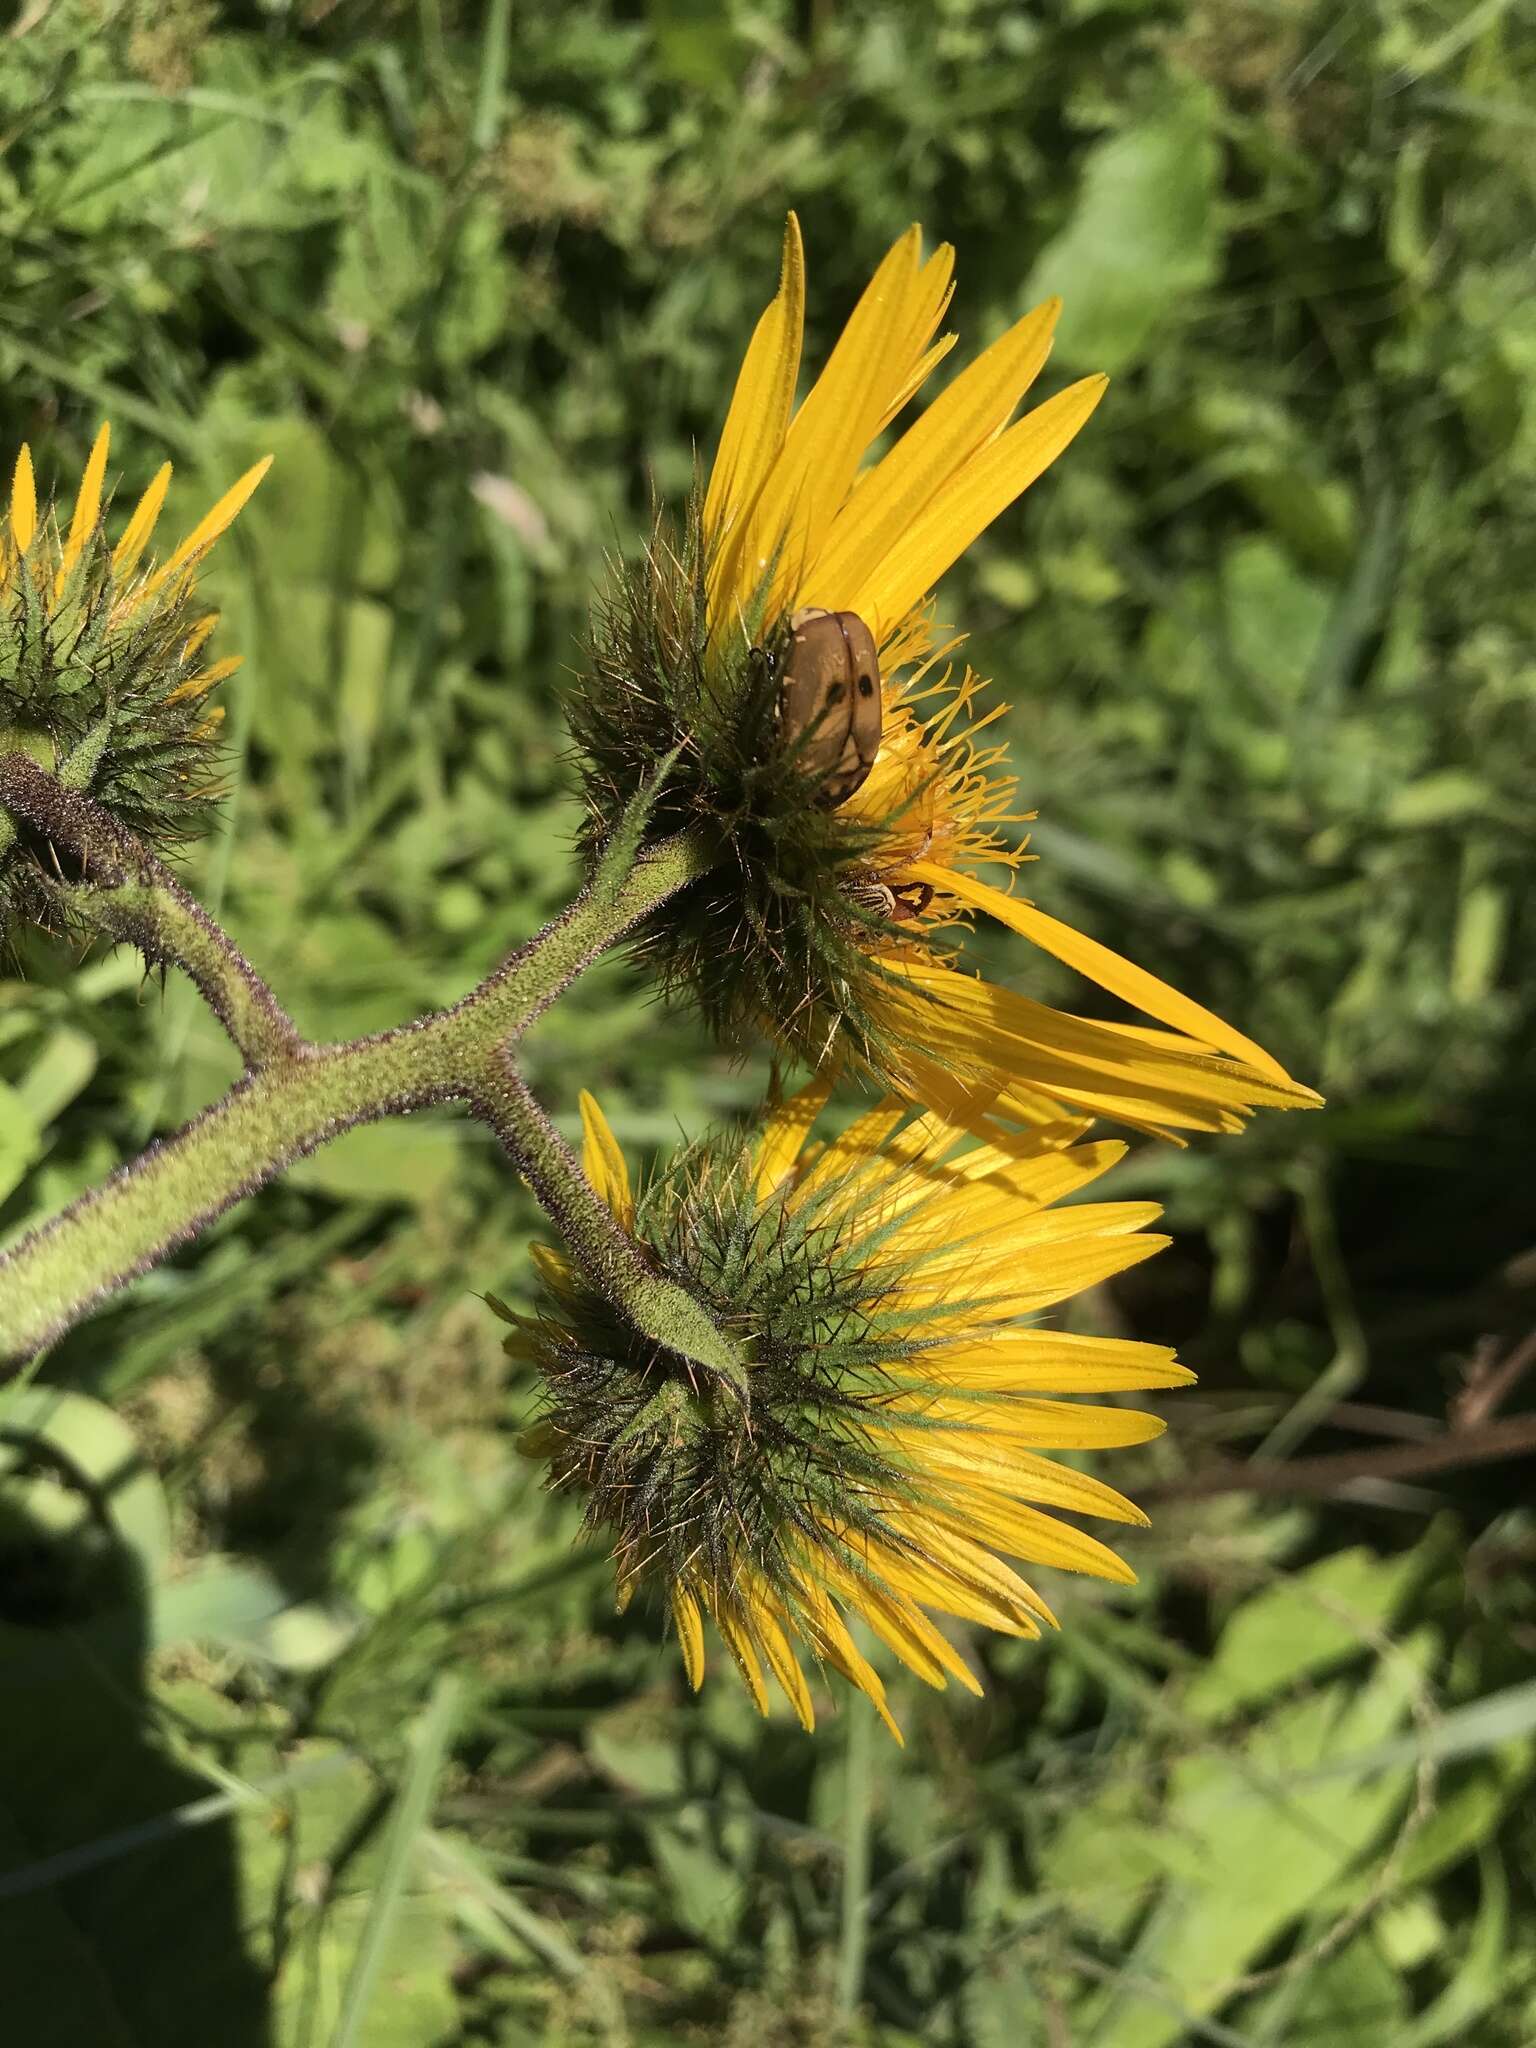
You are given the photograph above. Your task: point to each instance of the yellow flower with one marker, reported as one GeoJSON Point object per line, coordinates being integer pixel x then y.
{"type": "Point", "coordinates": [104, 678]}
{"type": "Point", "coordinates": [902, 1407]}
{"type": "Point", "coordinates": [795, 518]}
{"type": "Point", "coordinates": [71, 576]}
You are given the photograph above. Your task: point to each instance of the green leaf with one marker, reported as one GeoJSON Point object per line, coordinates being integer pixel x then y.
{"type": "Point", "coordinates": [21, 1142]}
{"type": "Point", "coordinates": [102, 1457]}
{"type": "Point", "coordinates": [1141, 239]}
{"type": "Point", "coordinates": [242, 1607]}
{"type": "Point", "coordinates": [83, 1942]}
{"type": "Point", "coordinates": [1299, 1627]}
{"type": "Point", "coordinates": [58, 1074]}
{"type": "Point", "coordinates": [1348, 1998]}
{"type": "Point", "coordinates": [1223, 1904]}
{"type": "Point", "coordinates": [1503, 1717]}
{"type": "Point", "coordinates": [1446, 796]}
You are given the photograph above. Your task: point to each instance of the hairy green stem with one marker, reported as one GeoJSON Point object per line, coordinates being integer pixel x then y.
{"type": "Point", "coordinates": [173, 930]}
{"type": "Point", "coordinates": [302, 1096]}
{"type": "Point", "coordinates": [131, 896]}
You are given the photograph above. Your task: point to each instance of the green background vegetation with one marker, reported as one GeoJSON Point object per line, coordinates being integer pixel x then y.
{"type": "Point", "coordinates": [317, 1729]}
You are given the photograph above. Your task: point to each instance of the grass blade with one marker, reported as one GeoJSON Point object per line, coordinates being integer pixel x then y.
{"type": "Point", "coordinates": [407, 1825]}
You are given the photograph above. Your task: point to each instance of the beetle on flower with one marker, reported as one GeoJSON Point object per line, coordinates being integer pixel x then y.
{"type": "Point", "coordinates": [848, 854]}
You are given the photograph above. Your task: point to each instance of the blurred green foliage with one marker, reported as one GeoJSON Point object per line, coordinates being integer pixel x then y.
{"type": "Point", "coordinates": [319, 1729]}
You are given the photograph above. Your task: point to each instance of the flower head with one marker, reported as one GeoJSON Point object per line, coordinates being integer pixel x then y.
{"type": "Point", "coordinates": [831, 917]}
{"type": "Point", "coordinates": [103, 675]}
{"type": "Point", "coordinates": [901, 1402]}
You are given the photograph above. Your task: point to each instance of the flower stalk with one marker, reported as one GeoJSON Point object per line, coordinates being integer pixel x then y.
{"type": "Point", "coordinates": [131, 897]}
{"type": "Point", "coordinates": [296, 1096]}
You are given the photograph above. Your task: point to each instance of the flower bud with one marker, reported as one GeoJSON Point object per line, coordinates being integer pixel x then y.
{"type": "Point", "coordinates": [104, 676]}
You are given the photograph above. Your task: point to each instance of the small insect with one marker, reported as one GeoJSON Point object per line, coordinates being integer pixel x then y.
{"type": "Point", "coordinates": [829, 700]}
{"type": "Point", "coordinates": [897, 903]}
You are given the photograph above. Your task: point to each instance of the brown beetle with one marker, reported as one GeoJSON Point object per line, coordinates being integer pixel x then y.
{"type": "Point", "coordinates": [829, 700]}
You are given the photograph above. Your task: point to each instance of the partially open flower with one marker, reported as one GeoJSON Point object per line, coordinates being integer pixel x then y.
{"type": "Point", "coordinates": [103, 675]}
{"type": "Point", "coordinates": [899, 1413]}
{"type": "Point", "coordinates": [777, 666]}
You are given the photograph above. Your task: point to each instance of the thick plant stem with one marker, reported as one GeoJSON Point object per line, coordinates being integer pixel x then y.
{"type": "Point", "coordinates": [607, 1256]}
{"type": "Point", "coordinates": [302, 1096]}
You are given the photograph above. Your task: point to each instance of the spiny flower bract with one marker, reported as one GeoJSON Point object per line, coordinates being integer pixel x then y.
{"type": "Point", "coordinates": [894, 1431]}
{"type": "Point", "coordinates": [834, 928]}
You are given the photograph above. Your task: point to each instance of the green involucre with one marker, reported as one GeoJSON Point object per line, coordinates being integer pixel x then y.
{"type": "Point", "coordinates": [778, 936]}
{"type": "Point", "coordinates": [684, 1475]}
{"type": "Point", "coordinates": [91, 694]}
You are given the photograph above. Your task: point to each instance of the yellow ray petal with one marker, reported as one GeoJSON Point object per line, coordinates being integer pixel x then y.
{"type": "Point", "coordinates": [141, 524]}
{"type": "Point", "coordinates": [966, 1596]}
{"type": "Point", "coordinates": [964, 1101]}
{"type": "Point", "coordinates": [207, 679]}
{"type": "Point", "coordinates": [738, 1641]}
{"type": "Point", "coordinates": [1162, 1060]}
{"type": "Point", "coordinates": [1044, 1425]}
{"type": "Point", "coordinates": [851, 1149]}
{"type": "Point", "coordinates": [943, 1541]}
{"type": "Point", "coordinates": [830, 1639]}
{"type": "Point", "coordinates": [1132, 984]}
{"type": "Point", "coordinates": [552, 1267]}
{"type": "Point", "coordinates": [1050, 1362]}
{"type": "Point", "coordinates": [829, 434]}
{"type": "Point", "coordinates": [784, 1133]}
{"type": "Point", "coordinates": [849, 1175]}
{"type": "Point", "coordinates": [1003, 1180]}
{"type": "Point", "coordinates": [1041, 1539]}
{"type": "Point", "coordinates": [1162, 1117]}
{"type": "Point", "coordinates": [921, 371]}
{"type": "Point", "coordinates": [781, 1660]}
{"type": "Point", "coordinates": [198, 636]}
{"type": "Point", "coordinates": [968, 504]}
{"type": "Point", "coordinates": [23, 501]}
{"type": "Point", "coordinates": [929, 1559]}
{"type": "Point", "coordinates": [976, 1459]}
{"type": "Point", "coordinates": [990, 1221]}
{"type": "Point", "coordinates": [986, 1237]}
{"type": "Point", "coordinates": [987, 1231]}
{"type": "Point", "coordinates": [603, 1162]}
{"type": "Point", "coordinates": [207, 530]}
{"type": "Point", "coordinates": [690, 1634]}
{"type": "Point", "coordinates": [1052, 1276]}
{"type": "Point", "coordinates": [897, 1621]}
{"type": "Point", "coordinates": [904, 483]}
{"type": "Point", "coordinates": [939, 1524]}
{"type": "Point", "coordinates": [1038, 1170]}
{"type": "Point", "coordinates": [87, 505]}
{"type": "Point", "coordinates": [761, 404]}
{"type": "Point", "coordinates": [970, 1027]}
